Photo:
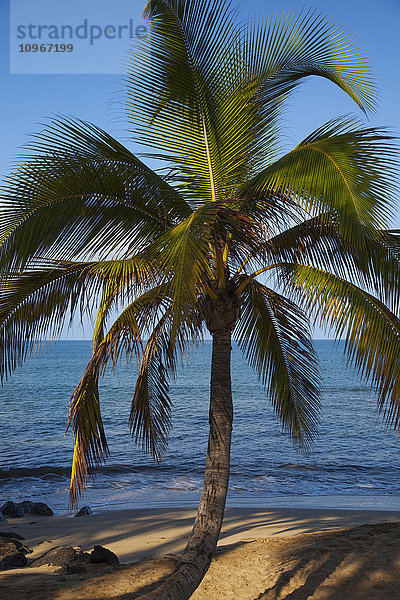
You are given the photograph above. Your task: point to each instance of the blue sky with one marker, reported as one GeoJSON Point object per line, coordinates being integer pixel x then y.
{"type": "Point", "coordinates": [27, 100]}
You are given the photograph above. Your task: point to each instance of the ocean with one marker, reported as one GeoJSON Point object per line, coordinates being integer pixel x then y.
{"type": "Point", "coordinates": [355, 461]}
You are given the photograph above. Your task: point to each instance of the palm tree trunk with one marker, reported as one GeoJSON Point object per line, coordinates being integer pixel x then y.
{"type": "Point", "coordinates": [202, 544]}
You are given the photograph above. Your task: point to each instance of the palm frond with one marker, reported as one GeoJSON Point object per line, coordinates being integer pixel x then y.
{"type": "Point", "coordinates": [285, 49]}
{"type": "Point", "coordinates": [371, 262]}
{"type": "Point", "coordinates": [213, 95]}
{"type": "Point", "coordinates": [172, 107]}
{"type": "Point", "coordinates": [122, 281]}
{"type": "Point", "coordinates": [34, 307]}
{"type": "Point", "coordinates": [150, 416]}
{"type": "Point", "coordinates": [81, 194]}
{"type": "Point", "coordinates": [370, 330]}
{"type": "Point", "coordinates": [125, 335]}
{"type": "Point", "coordinates": [340, 171]}
{"type": "Point", "coordinates": [90, 448]}
{"type": "Point", "coordinates": [186, 259]}
{"type": "Point", "coordinates": [274, 335]}
{"type": "Point", "coordinates": [191, 253]}
{"type": "Point", "coordinates": [36, 304]}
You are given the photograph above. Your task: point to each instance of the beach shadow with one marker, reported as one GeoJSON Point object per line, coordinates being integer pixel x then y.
{"type": "Point", "coordinates": [157, 532]}
{"type": "Point", "coordinates": [362, 563]}
{"type": "Point", "coordinates": [341, 562]}
{"type": "Point", "coordinates": [48, 586]}
{"type": "Point", "coordinates": [311, 583]}
{"type": "Point", "coordinates": [299, 520]}
{"type": "Point", "coordinates": [146, 589]}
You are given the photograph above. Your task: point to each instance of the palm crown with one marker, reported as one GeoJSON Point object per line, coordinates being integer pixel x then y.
{"type": "Point", "coordinates": [86, 225]}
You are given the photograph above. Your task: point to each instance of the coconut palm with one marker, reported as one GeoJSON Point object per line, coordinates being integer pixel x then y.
{"type": "Point", "coordinates": [230, 236]}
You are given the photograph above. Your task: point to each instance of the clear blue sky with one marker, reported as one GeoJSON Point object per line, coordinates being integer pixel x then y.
{"type": "Point", "coordinates": [27, 100]}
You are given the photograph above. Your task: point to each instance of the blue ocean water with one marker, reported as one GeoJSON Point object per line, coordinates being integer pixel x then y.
{"type": "Point", "coordinates": [354, 454]}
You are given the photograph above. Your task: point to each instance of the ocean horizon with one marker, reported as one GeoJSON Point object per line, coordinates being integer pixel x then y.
{"type": "Point", "coordinates": [355, 461]}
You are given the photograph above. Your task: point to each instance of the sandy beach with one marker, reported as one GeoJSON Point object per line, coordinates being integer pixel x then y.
{"type": "Point", "coordinates": [268, 554]}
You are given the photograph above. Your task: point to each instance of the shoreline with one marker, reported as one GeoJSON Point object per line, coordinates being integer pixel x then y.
{"type": "Point", "coordinates": [136, 534]}
{"type": "Point", "coordinates": [383, 502]}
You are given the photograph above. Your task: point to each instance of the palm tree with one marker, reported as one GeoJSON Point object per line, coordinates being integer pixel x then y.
{"type": "Point", "coordinates": [234, 238]}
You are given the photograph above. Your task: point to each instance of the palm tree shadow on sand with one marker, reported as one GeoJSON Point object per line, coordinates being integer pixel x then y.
{"type": "Point", "coordinates": [357, 563]}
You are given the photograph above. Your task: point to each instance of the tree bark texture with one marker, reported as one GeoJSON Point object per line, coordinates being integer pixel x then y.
{"type": "Point", "coordinates": [200, 549]}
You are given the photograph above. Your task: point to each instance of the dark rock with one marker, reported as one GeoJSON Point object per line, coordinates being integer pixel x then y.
{"type": "Point", "coordinates": [13, 561]}
{"type": "Point", "coordinates": [12, 554]}
{"type": "Point", "coordinates": [103, 555]}
{"type": "Point", "coordinates": [85, 510]}
{"type": "Point", "coordinates": [25, 550]}
{"type": "Point", "coordinates": [36, 508]}
{"type": "Point", "coordinates": [40, 508]}
{"type": "Point", "coordinates": [12, 509]}
{"type": "Point", "coordinates": [10, 546]}
{"type": "Point", "coordinates": [2, 517]}
{"type": "Point", "coordinates": [11, 534]}
{"type": "Point", "coordinates": [68, 570]}
{"type": "Point", "coordinates": [9, 540]}
{"type": "Point", "coordinates": [61, 556]}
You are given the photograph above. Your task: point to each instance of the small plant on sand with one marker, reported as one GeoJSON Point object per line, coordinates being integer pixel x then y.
{"type": "Point", "coordinates": [233, 237]}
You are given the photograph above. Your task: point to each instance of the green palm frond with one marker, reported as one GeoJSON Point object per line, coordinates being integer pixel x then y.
{"type": "Point", "coordinates": [125, 336]}
{"type": "Point", "coordinates": [186, 259]}
{"type": "Point", "coordinates": [172, 107]}
{"type": "Point", "coordinates": [340, 171]}
{"type": "Point", "coordinates": [191, 254]}
{"type": "Point", "coordinates": [313, 240]}
{"type": "Point", "coordinates": [90, 448]}
{"type": "Point", "coordinates": [393, 241]}
{"type": "Point", "coordinates": [122, 281]}
{"type": "Point", "coordinates": [81, 194]}
{"type": "Point", "coordinates": [67, 137]}
{"type": "Point", "coordinates": [35, 305]}
{"type": "Point", "coordinates": [283, 50]}
{"type": "Point", "coordinates": [150, 416]}
{"type": "Point", "coordinates": [373, 263]}
{"type": "Point", "coordinates": [150, 419]}
{"type": "Point", "coordinates": [370, 330]}
{"type": "Point", "coordinates": [107, 303]}
{"type": "Point", "coordinates": [274, 335]}
{"type": "Point", "coordinates": [215, 87]}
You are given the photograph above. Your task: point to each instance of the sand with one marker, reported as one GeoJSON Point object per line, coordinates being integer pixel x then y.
{"type": "Point", "coordinates": [264, 554]}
